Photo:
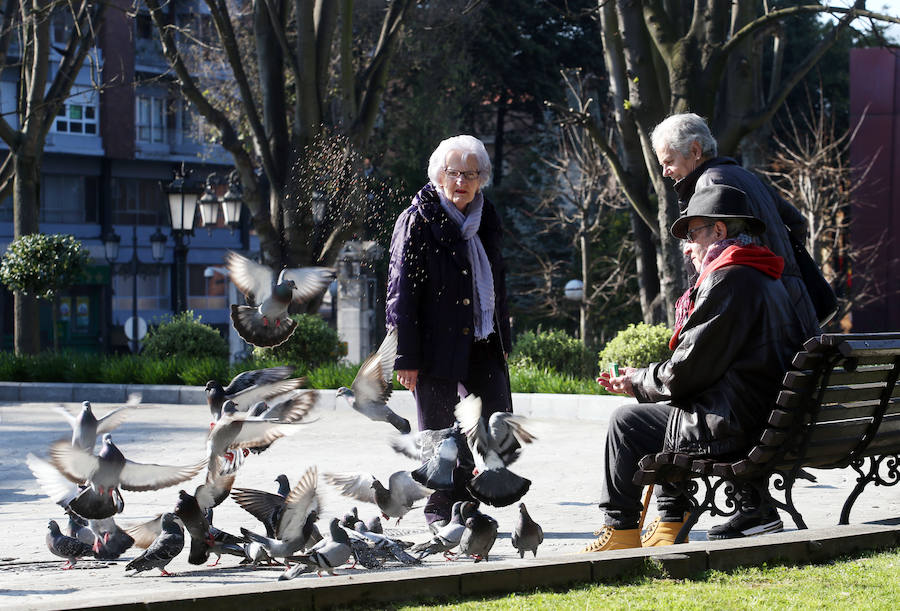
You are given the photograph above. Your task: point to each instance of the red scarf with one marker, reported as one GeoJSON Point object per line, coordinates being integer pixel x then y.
{"type": "Point", "coordinates": [757, 257]}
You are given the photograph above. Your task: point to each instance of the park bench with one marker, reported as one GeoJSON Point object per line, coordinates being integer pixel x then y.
{"type": "Point", "coordinates": [839, 407]}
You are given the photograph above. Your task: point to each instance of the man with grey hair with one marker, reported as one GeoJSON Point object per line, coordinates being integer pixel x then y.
{"type": "Point", "coordinates": [688, 154]}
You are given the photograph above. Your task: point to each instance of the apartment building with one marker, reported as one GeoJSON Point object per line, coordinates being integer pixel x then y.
{"type": "Point", "coordinates": [107, 155]}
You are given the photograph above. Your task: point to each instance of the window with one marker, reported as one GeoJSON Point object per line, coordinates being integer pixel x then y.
{"type": "Point", "coordinates": [63, 199]}
{"type": "Point", "coordinates": [138, 201]}
{"type": "Point", "coordinates": [76, 118]}
{"type": "Point", "coordinates": [153, 293]}
{"type": "Point", "coordinates": [206, 293]}
{"type": "Point", "coordinates": [151, 118]}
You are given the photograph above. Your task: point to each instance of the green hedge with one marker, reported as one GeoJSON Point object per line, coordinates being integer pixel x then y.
{"type": "Point", "coordinates": [183, 335]}
{"type": "Point", "coordinates": [312, 343]}
{"type": "Point", "coordinates": [555, 350]}
{"type": "Point", "coordinates": [637, 346]}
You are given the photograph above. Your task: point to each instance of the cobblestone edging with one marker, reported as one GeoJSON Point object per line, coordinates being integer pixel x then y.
{"type": "Point", "coordinates": [806, 546]}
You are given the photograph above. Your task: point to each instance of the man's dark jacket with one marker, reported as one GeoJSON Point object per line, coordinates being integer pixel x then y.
{"type": "Point", "coordinates": [429, 294]}
{"type": "Point", "coordinates": [725, 373]}
{"type": "Point", "coordinates": [771, 209]}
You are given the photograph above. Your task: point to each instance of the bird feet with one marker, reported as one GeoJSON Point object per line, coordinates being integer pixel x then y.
{"type": "Point", "coordinates": [165, 573]}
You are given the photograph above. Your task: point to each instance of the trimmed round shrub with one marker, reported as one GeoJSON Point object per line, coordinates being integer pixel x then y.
{"type": "Point", "coordinates": [312, 343]}
{"type": "Point", "coordinates": [637, 346]}
{"type": "Point", "coordinates": [184, 336]}
{"type": "Point", "coordinates": [556, 350]}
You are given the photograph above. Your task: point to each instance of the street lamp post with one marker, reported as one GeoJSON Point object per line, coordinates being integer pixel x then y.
{"type": "Point", "coordinates": [182, 199]}
{"type": "Point", "coordinates": [111, 244]}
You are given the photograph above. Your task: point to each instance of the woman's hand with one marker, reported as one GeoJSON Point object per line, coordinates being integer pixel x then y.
{"type": "Point", "coordinates": [408, 377]}
{"type": "Point", "coordinates": [620, 385]}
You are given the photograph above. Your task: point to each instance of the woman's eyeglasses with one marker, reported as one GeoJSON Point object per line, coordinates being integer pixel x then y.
{"type": "Point", "coordinates": [468, 174]}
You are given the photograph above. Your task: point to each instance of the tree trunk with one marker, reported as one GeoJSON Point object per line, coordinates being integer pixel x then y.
{"type": "Point", "coordinates": [26, 201]}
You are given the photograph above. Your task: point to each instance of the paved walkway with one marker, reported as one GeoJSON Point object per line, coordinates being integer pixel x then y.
{"type": "Point", "coordinates": [564, 466]}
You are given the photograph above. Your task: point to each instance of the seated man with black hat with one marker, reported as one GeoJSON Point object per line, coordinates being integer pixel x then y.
{"type": "Point", "coordinates": [736, 332]}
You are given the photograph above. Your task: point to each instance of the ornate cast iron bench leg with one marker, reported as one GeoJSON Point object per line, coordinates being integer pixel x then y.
{"type": "Point", "coordinates": [785, 482]}
{"type": "Point", "coordinates": [891, 465]}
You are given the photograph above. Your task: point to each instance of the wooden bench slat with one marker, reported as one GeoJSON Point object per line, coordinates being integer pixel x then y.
{"type": "Point", "coordinates": [870, 347]}
{"type": "Point", "coordinates": [782, 418]}
{"type": "Point", "coordinates": [804, 381]}
{"type": "Point", "coordinates": [856, 410]}
{"type": "Point", "coordinates": [844, 394]}
{"type": "Point", "coordinates": [835, 339]}
{"type": "Point", "coordinates": [807, 360]}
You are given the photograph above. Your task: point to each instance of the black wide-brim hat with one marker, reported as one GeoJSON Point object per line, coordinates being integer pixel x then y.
{"type": "Point", "coordinates": [719, 202]}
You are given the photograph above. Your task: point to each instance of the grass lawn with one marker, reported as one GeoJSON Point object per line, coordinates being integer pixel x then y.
{"type": "Point", "coordinates": [871, 581]}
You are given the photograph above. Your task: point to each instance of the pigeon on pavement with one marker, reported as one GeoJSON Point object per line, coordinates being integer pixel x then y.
{"type": "Point", "coordinates": [268, 324]}
{"type": "Point", "coordinates": [106, 539]}
{"type": "Point", "coordinates": [478, 537]}
{"type": "Point", "coordinates": [66, 547]}
{"type": "Point", "coordinates": [494, 446]}
{"type": "Point", "coordinates": [289, 518]}
{"type": "Point", "coordinates": [248, 387]}
{"type": "Point", "coordinates": [205, 539]}
{"type": "Point", "coordinates": [86, 426]}
{"type": "Point", "coordinates": [385, 547]}
{"type": "Point", "coordinates": [109, 470]}
{"type": "Point", "coordinates": [445, 539]}
{"type": "Point", "coordinates": [527, 535]}
{"type": "Point", "coordinates": [374, 525]}
{"type": "Point", "coordinates": [372, 387]}
{"type": "Point", "coordinates": [327, 555]}
{"type": "Point", "coordinates": [395, 501]}
{"type": "Point", "coordinates": [164, 548]}
{"type": "Point", "coordinates": [350, 518]}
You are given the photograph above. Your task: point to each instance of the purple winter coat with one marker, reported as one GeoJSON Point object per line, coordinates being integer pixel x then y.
{"type": "Point", "coordinates": [429, 293]}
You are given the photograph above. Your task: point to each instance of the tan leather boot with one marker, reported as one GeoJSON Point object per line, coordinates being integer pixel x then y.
{"type": "Point", "coordinates": [610, 538]}
{"type": "Point", "coordinates": [662, 533]}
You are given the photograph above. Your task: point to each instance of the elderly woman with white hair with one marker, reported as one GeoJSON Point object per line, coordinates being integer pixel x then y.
{"type": "Point", "coordinates": [446, 298]}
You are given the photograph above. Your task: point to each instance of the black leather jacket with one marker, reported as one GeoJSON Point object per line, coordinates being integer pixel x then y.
{"type": "Point", "coordinates": [725, 373]}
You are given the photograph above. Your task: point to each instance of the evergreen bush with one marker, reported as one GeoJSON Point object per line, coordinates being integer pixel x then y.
{"type": "Point", "coordinates": [637, 346]}
{"type": "Point", "coordinates": [554, 349]}
{"type": "Point", "coordinates": [312, 343]}
{"type": "Point", "coordinates": [184, 336]}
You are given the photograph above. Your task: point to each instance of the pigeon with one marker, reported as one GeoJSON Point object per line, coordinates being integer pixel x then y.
{"type": "Point", "coordinates": [255, 553]}
{"type": "Point", "coordinates": [82, 500]}
{"type": "Point", "coordinates": [248, 387]}
{"type": "Point", "coordinates": [437, 450]}
{"type": "Point", "coordinates": [350, 519]}
{"type": "Point", "coordinates": [363, 551]}
{"type": "Point", "coordinates": [205, 539]}
{"type": "Point", "coordinates": [372, 386]}
{"type": "Point", "coordinates": [285, 518]}
{"type": "Point", "coordinates": [106, 539]}
{"type": "Point", "coordinates": [494, 446]}
{"type": "Point", "coordinates": [395, 501]}
{"type": "Point", "coordinates": [326, 556]}
{"type": "Point", "coordinates": [445, 539]}
{"type": "Point", "coordinates": [164, 548]}
{"type": "Point", "coordinates": [284, 485]}
{"type": "Point", "coordinates": [66, 547]}
{"type": "Point", "coordinates": [234, 430]}
{"type": "Point", "coordinates": [373, 524]}
{"type": "Point", "coordinates": [109, 470]}
{"type": "Point", "coordinates": [86, 426]}
{"type": "Point", "coordinates": [216, 488]}
{"type": "Point", "coordinates": [267, 324]}
{"type": "Point", "coordinates": [478, 537]}
{"type": "Point", "coordinates": [527, 534]}
{"type": "Point", "coordinates": [384, 546]}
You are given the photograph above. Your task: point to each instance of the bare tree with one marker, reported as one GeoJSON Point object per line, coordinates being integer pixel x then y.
{"type": "Point", "coordinates": [703, 56]}
{"type": "Point", "coordinates": [27, 49]}
{"type": "Point", "coordinates": [810, 169]}
{"type": "Point", "coordinates": [295, 69]}
{"type": "Point", "coordinates": [578, 208]}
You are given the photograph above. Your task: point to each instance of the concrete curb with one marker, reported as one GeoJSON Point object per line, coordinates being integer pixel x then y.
{"type": "Point", "coordinates": [562, 407]}
{"type": "Point", "coordinates": [463, 580]}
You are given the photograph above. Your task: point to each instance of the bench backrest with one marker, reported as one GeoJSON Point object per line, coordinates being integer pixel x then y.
{"type": "Point", "coordinates": [841, 403]}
